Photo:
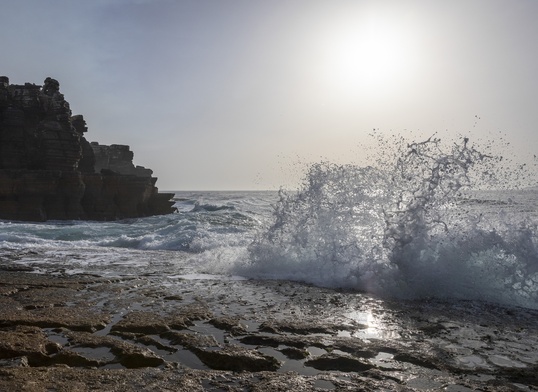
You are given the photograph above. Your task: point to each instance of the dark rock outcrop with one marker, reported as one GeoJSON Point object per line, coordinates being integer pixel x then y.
{"type": "Point", "coordinates": [48, 170]}
{"type": "Point", "coordinates": [118, 159]}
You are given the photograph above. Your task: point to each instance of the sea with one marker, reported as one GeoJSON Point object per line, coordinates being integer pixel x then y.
{"type": "Point", "coordinates": [430, 222]}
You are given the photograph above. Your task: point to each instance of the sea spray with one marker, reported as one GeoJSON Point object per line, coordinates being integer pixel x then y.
{"type": "Point", "coordinates": [323, 231]}
{"type": "Point", "coordinates": [403, 229]}
{"type": "Point", "coordinates": [424, 185]}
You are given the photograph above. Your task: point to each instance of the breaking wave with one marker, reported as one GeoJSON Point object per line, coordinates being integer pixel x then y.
{"type": "Point", "coordinates": [407, 227]}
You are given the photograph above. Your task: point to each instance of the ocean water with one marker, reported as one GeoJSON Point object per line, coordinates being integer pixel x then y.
{"type": "Point", "coordinates": [428, 221]}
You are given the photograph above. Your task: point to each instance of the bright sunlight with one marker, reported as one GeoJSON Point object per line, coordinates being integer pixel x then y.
{"type": "Point", "coordinates": [376, 55]}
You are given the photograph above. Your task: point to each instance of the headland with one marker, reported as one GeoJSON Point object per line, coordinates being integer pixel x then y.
{"type": "Point", "coordinates": [49, 171]}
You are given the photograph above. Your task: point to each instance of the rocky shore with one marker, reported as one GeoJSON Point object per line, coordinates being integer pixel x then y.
{"type": "Point", "coordinates": [88, 333]}
{"type": "Point", "coordinates": [49, 171]}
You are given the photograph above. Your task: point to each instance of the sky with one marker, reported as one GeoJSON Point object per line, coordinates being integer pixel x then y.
{"type": "Point", "coordinates": [241, 94]}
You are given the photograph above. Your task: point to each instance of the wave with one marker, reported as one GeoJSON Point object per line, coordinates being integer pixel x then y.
{"type": "Point", "coordinates": [211, 207]}
{"type": "Point", "coordinates": [195, 229]}
{"type": "Point", "coordinates": [404, 229]}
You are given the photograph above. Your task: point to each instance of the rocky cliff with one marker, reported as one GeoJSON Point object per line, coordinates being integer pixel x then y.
{"type": "Point", "coordinates": [49, 171]}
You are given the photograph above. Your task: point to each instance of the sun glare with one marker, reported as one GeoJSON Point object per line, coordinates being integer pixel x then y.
{"type": "Point", "coordinates": [373, 57]}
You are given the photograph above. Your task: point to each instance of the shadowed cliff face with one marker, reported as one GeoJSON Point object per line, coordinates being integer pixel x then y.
{"type": "Point", "coordinates": [49, 171]}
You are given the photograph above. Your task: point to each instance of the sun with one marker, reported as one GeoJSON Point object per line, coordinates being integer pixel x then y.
{"type": "Point", "coordinates": [372, 56]}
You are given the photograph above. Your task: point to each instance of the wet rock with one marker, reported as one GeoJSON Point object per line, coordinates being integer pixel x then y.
{"type": "Point", "coordinates": [342, 363]}
{"type": "Point", "coordinates": [237, 358]}
{"type": "Point", "coordinates": [277, 340]}
{"type": "Point", "coordinates": [71, 359]}
{"type": "Point", "coordinates": [134, 357]}
{"type": "Point", "coordinates": [301, 328]}
{"type": "Point", "coordinates": [16, 268]}
{"type": "Point", "coordinates": [190, 340]}
{"type": "Point", "coordinates": [173, 298]}
{"type": "Point", "coordinates": [85, 380]}
{"type": "Point", "coordinates": [424, 384]}
{"type": "Point", "coordinates": [294, 353]}
{"type": "Point", "coordinates": [229, 324]}
{"type": "Point", "coordinates": [527, 376]}
{"type": "Point", "coordinates": [359, 348]}
{"type": "Point", "coordinates": [60, 359]}
{"type": "Point", "coordinates": [283, 383]}
{"type": "Point", "coordinates": [127, 354]}
{"type": "Point", "coordinates": [179, 322]}
{"type": "Point", "coordinates": [71, 318]}
{"type": "Point", "coordinates": [14, 362]}
{"type": "Point", "coordinates": [43, 297]}
{"type": "Point", "coordinates": [184, 316]}
{"type": "Point", "coordinates": [25, 341]}
{"type": "Point", "coordinates": [148, 341]}
{"type": "Point", "coordinates": [24, 282]}
{"type": "Point", "coordinates": [141, 322]}
{"type": "Point", "coordinates": [415, 360]}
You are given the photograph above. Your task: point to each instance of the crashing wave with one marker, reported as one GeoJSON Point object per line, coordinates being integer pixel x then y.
{"type": "Point", "coordinates": [401, 229]}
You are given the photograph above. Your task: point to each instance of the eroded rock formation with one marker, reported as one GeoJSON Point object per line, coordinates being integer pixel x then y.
{"type": "Point", "coordinates": [49, 171]}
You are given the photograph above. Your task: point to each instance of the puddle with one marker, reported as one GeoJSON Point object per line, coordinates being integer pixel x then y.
{"type": "Point", "coordinates": [56, 337]}
{"type": "Point", "coordinates": [315, 351]}
{"type": "Point", "coordinates": [384, 360]}
{"type": "Point", "coordinates": [324, 384]}
{"type": "Point", "coordinates": [288, 365]}
{"type": "Point", "coordinates": [113, 366]}
{"type": "Point", "coordinates": [102, 354]}
{"type": "Point", "coordinates": [115, 319]}
{"type": "Point", "coordinates": [383, 356]}
{"type": "Point", "coordinates": [183, 357]}
{"type": "Point", "coordinates": [458, 388]}
{"type": "Point", "coordinates": [424, 384]}
{"type": "Point", "coordinates": [177, 354]}
{"type": "Point", "coordinates": [458, 349]}
{"type": "Point", "coordinates": [344, 334]}
{"type": "Point", "coordinates": [481, 377]}
{"type": "Point", "coordinates": [503, 361]}
{"type": "Point", "coordinates": [364, 318]}
{"type": "Point", "coordinates": [250, 325]}
{"type": "Point", "coordinates": [368, 327]}
{"type": "Point", "coordinates": [472, 361]}
{"type": "Point", "coordinates": [208, 329]}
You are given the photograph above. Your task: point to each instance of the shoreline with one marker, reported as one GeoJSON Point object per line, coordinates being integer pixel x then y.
{"type": "Point", "coordinates": [83, 332]}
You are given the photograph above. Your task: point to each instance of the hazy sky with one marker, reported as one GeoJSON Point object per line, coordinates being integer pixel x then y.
{"type": "Point", "coordinates": [231, 94]}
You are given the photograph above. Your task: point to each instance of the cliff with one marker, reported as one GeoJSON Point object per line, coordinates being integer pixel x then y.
{"type": "Point", "coordinates": [49, 171]}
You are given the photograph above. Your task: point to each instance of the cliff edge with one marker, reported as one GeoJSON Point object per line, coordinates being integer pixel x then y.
{"type": "Point", "coordinates": [49, 171]}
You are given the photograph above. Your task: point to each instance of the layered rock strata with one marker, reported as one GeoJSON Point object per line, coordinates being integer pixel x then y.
{"type": "Point", "coordinates": [49, 171]}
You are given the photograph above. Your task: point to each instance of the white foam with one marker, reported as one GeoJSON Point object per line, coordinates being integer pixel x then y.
{"type": "Point", "coordinates": [403, 230]}
{"type": "Point", "coordinates": [208, 277]}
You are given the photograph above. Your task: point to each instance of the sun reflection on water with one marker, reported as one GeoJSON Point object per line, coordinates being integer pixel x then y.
{"type": "Point", "coordinates": [368, 326]}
